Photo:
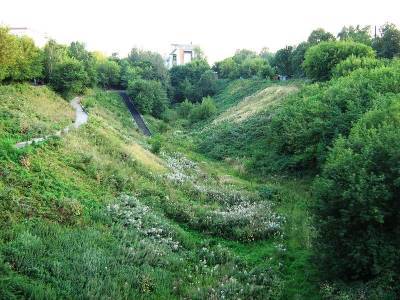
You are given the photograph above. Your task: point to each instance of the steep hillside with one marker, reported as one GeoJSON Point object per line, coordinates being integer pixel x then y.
{"type": "Point", "coordinates": [95, 214]}
{"type": "Point", "coordinates": [237, 132]}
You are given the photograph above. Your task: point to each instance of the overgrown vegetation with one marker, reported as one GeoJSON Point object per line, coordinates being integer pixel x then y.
{"type": "Point", "coordinates": [249, 188]}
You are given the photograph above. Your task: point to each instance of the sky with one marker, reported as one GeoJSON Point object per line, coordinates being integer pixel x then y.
{"type": "Point", "coordinates": [219, 27]}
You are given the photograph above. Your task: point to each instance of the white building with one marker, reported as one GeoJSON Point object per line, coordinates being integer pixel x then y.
{"type": "Point", "coordinates": [180, 55]}
{"type": "Point", "coordinates": [40, 38]}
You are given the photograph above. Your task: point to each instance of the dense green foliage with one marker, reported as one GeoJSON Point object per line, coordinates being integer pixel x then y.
{"type": "Point", "coordinates": [321, 59]}
{"type": "Point", "coordinates": [244, 64]}
{"type": "Point", "coordinates": [69, 77]}
{"type": "Point", "coordinates": [203, 111]}
{"type": "Point", "coordinates": [192, 81]}
{"type": "Point", "coordinates": [346, 130]}
{"type": "Point", "coordinates": [356, 34]}
{"type": "Point", "coordinates": [352, 63]}
{"type": "Point", "coordinates": [387, 45]}
{"type": "Point", "coordinates": [359, 223]}
{"type": "Point", "coordinates": [149, 96]}
{"type": "Point", "coordinates": [20, 59]}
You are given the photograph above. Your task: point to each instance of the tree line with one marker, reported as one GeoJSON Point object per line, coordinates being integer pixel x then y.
{"type": "Point", "coordinates": [292, 61]}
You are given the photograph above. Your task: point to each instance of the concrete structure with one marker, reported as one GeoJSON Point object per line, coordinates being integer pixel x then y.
{"type": "Point", "coordinates": [180, 55]}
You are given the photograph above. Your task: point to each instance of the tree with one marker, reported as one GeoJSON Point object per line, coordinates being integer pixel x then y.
{"type": "Point", "coordinates": [148, 95]}
{"type": "Point", "coordinates": [8, 52]}
{"type": "Point", "coordinates": [53, 55]}
{"type": "Point", "coordinates": [283, 61]}
{"type": "Point", "coordinates": [208, 83]}
{"type": "Point", "coordinates": [128, 73]}
{"type": "Point", "coordinates": [199, 53]}
{"type": "Point", "coordinates": [266, 54]}
{"type": "Point", "coordinates": [185, 80]}
{"type": "Point", "coordinates": [320, 35]}
{"type": "Point", "coordinates": [77, 50]}
{"type": "Point", "coordinates": [69, 77]}
{"type": "Point", "coordinates": [108, 73]}
{"type": "Point", "coordinates": [357, 34]}
{"type": "Point", "coordinates": [227, 68]}
{"type": "Point", "coordinates": [358, 200]}
{"type": "Point", "coordinates": [152, 64]}
{"type": "Point", "coordinates": [242, 54]}
{"type": "Point", "coordinates": [297, 59]}
{"type": "Point", "coordinates": [321, 59]}
{"type": "Point", "coordinates": [387, 45]}
{"type": "Point", "coordinates": [30, 61]}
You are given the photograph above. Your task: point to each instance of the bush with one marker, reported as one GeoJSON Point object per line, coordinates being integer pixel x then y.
{"type": "Point", "coordinates": [148, 95]}
{"type": "Point", "coordinates": [156, 144]}
{"type": "Point", "coordinates": [352, 63]}
{"type": "Point", "coordinates": [204, 110]}
{"type": "Point", "coordinates": [357, 212]}
{"type": "Point", "coordinates": [321, 59]}
{"type": "Point", "coordinates": [185, 109]}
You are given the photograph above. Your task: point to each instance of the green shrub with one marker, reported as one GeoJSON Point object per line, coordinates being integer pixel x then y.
{"type": "Point", "coordinates": [357, 212]}
{"type": "Point", "coordinates": [156, 144]}
{"type": "Point", "coordinates": [352, 63]}
{"type": "Point", "coordinates": [185, 108]}
{"type": "Point", "coordinates": [204, 110]}
{"type": "Point", "coordinates": [321, 59]}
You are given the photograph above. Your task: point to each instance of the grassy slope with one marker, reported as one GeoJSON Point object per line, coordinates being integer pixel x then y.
{"type": "Point", "coordinates": [21, 118]}
{"type": "Point", "coordinates": [68, 230]}
{"type": "Point", "coordinates": [237, 134]}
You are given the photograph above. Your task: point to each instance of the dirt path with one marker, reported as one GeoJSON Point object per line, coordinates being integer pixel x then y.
{"type": "Point", "coordinates": [135, 113]}
{"type": "Point", "coordinates": [81, 117]}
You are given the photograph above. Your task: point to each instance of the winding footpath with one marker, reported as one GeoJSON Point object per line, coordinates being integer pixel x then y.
{"type": "Point", "coordinates": [81, 117]}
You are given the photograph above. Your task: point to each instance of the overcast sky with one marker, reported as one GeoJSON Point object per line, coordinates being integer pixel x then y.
{"type": "Point", "coordinates": [218, 26]}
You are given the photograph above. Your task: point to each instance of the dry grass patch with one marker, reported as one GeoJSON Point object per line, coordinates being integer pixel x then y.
{"type": "Point", "coordinates": [146, 158]}
{"type": "Point", "coordinates": [255, 103]}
